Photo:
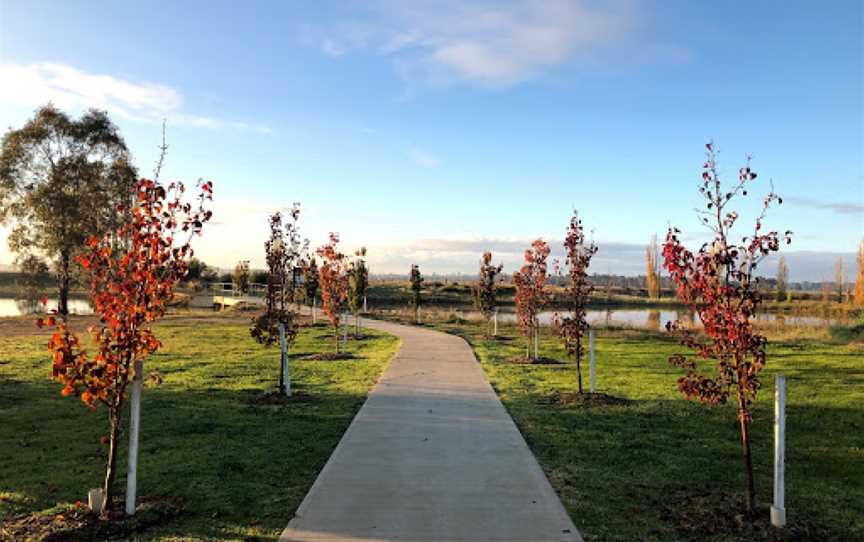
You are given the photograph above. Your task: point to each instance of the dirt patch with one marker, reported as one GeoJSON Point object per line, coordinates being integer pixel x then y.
{"type": "Point", "coordinates": [724, 515]}
{"type": "Point", "coordinates": [77, 523]}
{"type": "Point", "coordinates": [523, 360]}
{"type": "Point", "coordinates": [330, 356]}
{"type": "Point", "coordinates": [587, 399]}
{"type": "Point", "coordinates": [276, 398]}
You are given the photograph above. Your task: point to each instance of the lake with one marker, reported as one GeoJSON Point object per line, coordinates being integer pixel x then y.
{"type": "Point", "coordinates": [16, 307]}
{"type": "Point", "coordinates": [657, 318]}
{"type": "Point", "coordinates": [638, 317]}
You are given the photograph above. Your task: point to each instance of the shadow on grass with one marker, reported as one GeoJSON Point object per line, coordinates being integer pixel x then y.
{"type": "Point", "coordinates": [623, 472]}
{"type": "Point", "coordinates": [238, 468]}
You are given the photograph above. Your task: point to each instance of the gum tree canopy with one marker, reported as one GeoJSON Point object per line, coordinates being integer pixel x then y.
{"type": "Point", "coordinates": [61, 182]}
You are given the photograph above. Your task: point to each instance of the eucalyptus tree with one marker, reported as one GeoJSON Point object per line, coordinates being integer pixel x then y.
{"type": "Point", "coordinates": [62, 181]}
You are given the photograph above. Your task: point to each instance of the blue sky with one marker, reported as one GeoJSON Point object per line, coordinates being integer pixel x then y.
{"type": "Point", "coordinates": [428, 130]}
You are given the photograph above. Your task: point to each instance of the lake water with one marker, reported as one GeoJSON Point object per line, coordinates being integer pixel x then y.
{"type": "Point", "coordinates": [656, 319]}
{"type": "Point", "coordinates": [16, 307]}
{"type": "Point", "coordinates": [646, 318]}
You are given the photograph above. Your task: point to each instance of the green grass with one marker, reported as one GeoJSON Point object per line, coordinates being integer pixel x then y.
{"type": "Point", "coordinates": [242, 470]}
{"type": "Point", "coordinates": [620, 469]}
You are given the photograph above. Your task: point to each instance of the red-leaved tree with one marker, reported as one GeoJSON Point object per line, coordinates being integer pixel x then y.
{"type": "Point", "coordinates": [531, 295]}
{"type": "Point", "coordinates": [283, 250]}
{"type": "Point", "coordinates": [333, 275]}
{"type": "Point", "coordinates": [719, 284]}
{"type": "Point", "coordinates": [133, 272]}
{"type": "Point", "coordinates": [572, 327]}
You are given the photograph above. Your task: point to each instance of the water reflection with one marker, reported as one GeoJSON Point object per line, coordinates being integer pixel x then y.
{"type": "Point", "coordinates": [22, 307]}
{"type": "Point", "coordinates": [655, 319]}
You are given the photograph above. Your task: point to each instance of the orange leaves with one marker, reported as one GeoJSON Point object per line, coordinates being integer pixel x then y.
{"type": "Point", "coordinates": [333, 278]}
{"type": "Point", "coordinates": [133, 272]}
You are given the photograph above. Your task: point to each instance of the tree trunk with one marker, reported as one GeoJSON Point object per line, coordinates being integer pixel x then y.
{"type": "Point", "coordinates": [115, 417]}
{"type": "Point", "coordinates": [63, 285]}
{"type": "Point", "coordinates": [744, 419]}
{"type": "Point", "coordinates": [336, 335]}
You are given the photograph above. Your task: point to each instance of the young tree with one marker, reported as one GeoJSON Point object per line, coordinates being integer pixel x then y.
{"type": "Point", "coordinates": [416, 280]}
{"type": "Point", "coordinates": [718, 282]}
{"type": "Point", "coordinates": [531, 295]}
{"type": "Point", "coordinates": [838, 278]}
{"type": "Point", "coordinates": [61, 182]}
{"type": "Point", "coordinates": [240, 277]}
{"type": "Point", "coordinates": [283, 252]}
{"type": "Point", "coordinates": [782, 278]}
{"type": "Point", "coordinates": [133, 272]}
{"type": "Point", "coordinates": [333, 277]}
{"type": "Point", "coordinates": [358, 282]}
{"type": "Point", "coordinates": [485, 292]}
{"type": "Point", "coordinates": [572, 328]}
{"type": "Point", "coordinates": [859, 276]}
{"type": "Point", "coordinates": [310, 280]}
{"type": "Point", "coordinates": [652, 269]}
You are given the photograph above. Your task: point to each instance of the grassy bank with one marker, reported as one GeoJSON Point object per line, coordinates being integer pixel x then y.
{"type": "Point", "coordinates": [240, 469]}
{"type": "Point", "coordinates": [656, 468]}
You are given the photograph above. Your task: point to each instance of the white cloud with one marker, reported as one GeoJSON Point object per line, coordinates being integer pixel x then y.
{"type": "Point", "coordinates": [490, 43]}
{"type": "Point", "coordinates": [424, 158]}
{"type": "Point", "coordinates": [33, 85]}
{"type": "Point", "coordinates": [332, 48]}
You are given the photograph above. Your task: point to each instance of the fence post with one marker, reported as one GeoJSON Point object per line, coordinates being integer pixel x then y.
{"type": "Point", "coordinates": [591, 364]}
{"type": "Point", "coordinates": [778, 509]}
{"type": "Point", "coordinates": [134, 430]}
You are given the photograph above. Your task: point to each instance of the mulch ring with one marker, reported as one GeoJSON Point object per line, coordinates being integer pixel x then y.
{"type": "Point", "coordinates": [77, 523]}
{"type": "Point", "coordinates": [329, 356]}
{"type": "Point", "coordinates": [523, 360]}
{"type": "Point", "coordinates": [586, 399]}
{"type": "Point", "coordinates": [724, 515]}
{"type": "Point", "coordinates": [277, 398]}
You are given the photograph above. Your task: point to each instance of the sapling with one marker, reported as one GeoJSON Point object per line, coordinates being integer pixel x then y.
{"type": "Point", "coordinates": [132, 271]}
{"type": "Point", "coordinates": [573, 326]}
{"type": "Point", "coordinates": [416, 281]}
{"type": "Point", "coordinates": [277, 324]}
{"type": "Point", "coordinates": [333, 277]}
{"type": "Point", "coordinates": [531, 294]}
{"type": "Point", "coordinates": [485, 292]}
{"type": "Point", "coordinates": [358, 281]}
{"type": "Point", "coordinates": [718, 282]}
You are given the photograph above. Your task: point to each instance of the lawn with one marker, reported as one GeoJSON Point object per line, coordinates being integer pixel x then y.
{"type": "Point", "coordinates": [657, 468]}
{"type": "Point", "coordinates": [240, 469]}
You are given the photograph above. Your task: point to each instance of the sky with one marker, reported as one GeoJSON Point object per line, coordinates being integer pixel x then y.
{"type": "Point", "coordinates": [429, 131]}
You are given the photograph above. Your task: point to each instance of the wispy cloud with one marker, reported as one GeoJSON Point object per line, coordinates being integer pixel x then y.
{"type": "Point", "coordinates": [423, 158]}
{"type": "Point", "coordinates": [491, 43]}
{"type": "Point", "coordinates": [331, 48]}
{"type": "Point", "coordinates": [845, 208]}
{"type": "Point", "coordinates": [32, 85]}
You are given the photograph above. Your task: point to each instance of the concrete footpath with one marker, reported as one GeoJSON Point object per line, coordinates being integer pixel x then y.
{"type": "Point", "coordinates": [432, 455]}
